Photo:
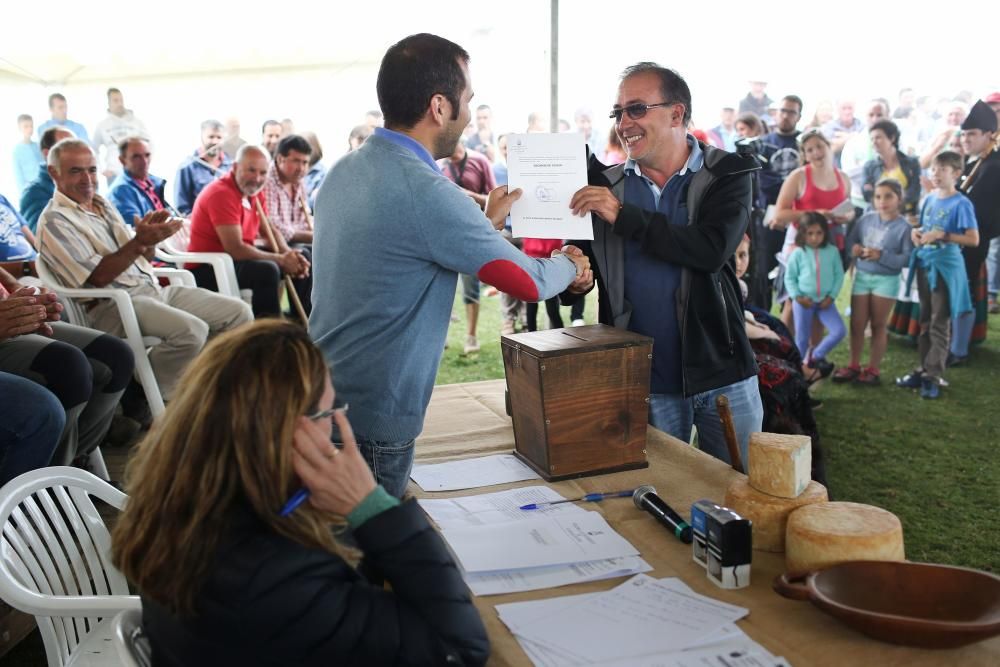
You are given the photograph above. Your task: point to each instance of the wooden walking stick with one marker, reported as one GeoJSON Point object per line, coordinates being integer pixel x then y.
{"type": "Point", "coordinates": [305, 209]}
{"type": "Point", "coordinates": [729, 430]}
{"type": "Point", "coordinates": [293, 296]}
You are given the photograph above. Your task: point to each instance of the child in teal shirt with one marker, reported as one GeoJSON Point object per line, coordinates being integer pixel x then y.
{"type": "Point", "coordinates": [813, 278]}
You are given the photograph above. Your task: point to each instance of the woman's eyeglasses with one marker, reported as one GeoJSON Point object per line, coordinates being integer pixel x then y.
{"type": "Point", "coordinates": [636, 111]}
{"type": "Point", "coordinates": [329, 413]}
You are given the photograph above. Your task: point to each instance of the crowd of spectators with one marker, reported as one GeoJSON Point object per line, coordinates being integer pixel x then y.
{"type": "Point", "coordinates": [859, 178]}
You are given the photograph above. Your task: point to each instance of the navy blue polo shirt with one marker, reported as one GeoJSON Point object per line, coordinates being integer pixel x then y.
{"type": "Point", "coordinates": [650, 283]}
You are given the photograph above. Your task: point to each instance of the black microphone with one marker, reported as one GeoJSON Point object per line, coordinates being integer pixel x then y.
{"type": "Point", "coordinates": [645, 498]}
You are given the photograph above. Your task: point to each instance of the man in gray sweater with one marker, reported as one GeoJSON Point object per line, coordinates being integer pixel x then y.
{"type": "Point", "coordinates": [392, 235]}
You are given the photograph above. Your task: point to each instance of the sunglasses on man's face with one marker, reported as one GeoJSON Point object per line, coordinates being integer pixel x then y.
{"type": "Point", "coordinates": [636, 111]}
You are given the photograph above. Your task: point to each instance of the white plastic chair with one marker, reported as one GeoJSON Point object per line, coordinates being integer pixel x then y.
{"type": "Point", "coordinates": [55, 557]}
{"type": "Point", "coordinates": [130, 642]}
{"type": "Point", "coordinates": [174, 250]}
{"type": "Point", "coordinates": [133, 336]}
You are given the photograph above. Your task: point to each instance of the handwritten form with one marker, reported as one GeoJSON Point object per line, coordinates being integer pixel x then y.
{"type": "Point", "coordinates": [486, 514]}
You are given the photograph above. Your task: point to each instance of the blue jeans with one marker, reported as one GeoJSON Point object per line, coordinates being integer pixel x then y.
{"type": "Point", "coordinates": [993, 268]}
{"type": "Point", "coordinates": [674, 414]}
{"type": "Point", "coordinates": [30, 430]}
{"type": "Point", "coordinates": [390, 462]}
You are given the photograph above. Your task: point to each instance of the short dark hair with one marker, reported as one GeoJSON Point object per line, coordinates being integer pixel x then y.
{"type": "Point", "coordinates": [269, 121]}
{"type": "Point", "coordinates": [210, 124]}
{"type": "Point", "coordinates": [48, 139]}
{"type": "Point", "coordinates": [56, 96]}
{"type": "Point", "coordinates": [794, 99]}
{"type": "Point", "coordinates": [415, 69]}
{"type": "Point", "coordinates": [294, 142]}
{"type": "Point", "coordinates": [123, 144]}
{"type": "Point", "coordinates": [808, 220]}
{"type": "Point", "coordinates": [25, 117]}
{"type": "Point", "coordinates": [113, 90]}
{"type": "Point", "coordinates": [893, 185]}
{"type": "Point", "coordinates": [890, 129]}
{"type": "Point", "coordinates": [949, 159]}
{"type": "Point", "coordinates": [672, 85]}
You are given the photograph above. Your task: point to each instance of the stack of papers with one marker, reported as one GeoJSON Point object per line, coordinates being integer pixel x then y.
{"type": "Point", "coordinates": [471, 473]}
{"type": "Point", "coordinates": [643, 622]}
{"type": "Point", "coordinates": [503, 549]}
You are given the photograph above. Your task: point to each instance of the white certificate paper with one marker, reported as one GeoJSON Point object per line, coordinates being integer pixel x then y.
{"type": "Point", "coordinates": [549, 168]}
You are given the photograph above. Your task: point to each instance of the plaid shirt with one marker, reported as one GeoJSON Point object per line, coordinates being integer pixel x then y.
{"type": "Point", "coordinates": [284, 210]}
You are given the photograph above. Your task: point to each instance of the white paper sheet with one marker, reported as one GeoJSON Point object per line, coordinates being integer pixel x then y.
{"type": "Point", "coordinates": [492, 508]}
{"type": "Point", "coordinates": [640, 617]}
{"type": "Point", "coordinates": [546, 540]}
{"type": "Point", "coordinates": [549, 168]}
{"type": "Point", "coordinates": [529, 579]}
{"type": "Point", "coordinates": [725, 642]}
{"type": "Point", "coordinates": [472, 473]}
{"type": "Point", "coordinates": [843, 208]}
{"type": "Point", "coordinates": [729, 654]}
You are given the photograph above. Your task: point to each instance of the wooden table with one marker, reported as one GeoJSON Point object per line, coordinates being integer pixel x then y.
{"type": "Point", "coordinates": [469, 419]}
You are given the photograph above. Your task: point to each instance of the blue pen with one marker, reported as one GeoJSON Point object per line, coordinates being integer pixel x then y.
{"type": "Point", "coordinates": [302, 494]}
{"type": "Point", "coordinates": [589, 498]}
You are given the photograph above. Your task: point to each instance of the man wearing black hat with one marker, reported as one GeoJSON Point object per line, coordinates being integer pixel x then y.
{"type": "Point", "coordinates": [981, 184]}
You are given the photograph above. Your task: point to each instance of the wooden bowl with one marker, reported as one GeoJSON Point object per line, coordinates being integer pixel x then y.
{"type": "Point", "coordinates": [915, 604]}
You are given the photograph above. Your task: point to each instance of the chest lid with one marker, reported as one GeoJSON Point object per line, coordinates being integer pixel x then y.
{"type": "Point", "coordinates": [573, 340]}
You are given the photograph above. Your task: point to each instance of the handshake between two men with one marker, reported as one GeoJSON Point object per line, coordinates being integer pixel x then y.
{"type": "Point", "coordinates": [587, 199]}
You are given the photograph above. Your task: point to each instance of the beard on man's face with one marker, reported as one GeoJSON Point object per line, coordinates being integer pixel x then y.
{"type": "Point", "coordinates": [448, 140]}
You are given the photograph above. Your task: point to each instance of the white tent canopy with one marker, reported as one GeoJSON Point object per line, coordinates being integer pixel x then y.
{"type": "Point", "coordinates": [182, 62]}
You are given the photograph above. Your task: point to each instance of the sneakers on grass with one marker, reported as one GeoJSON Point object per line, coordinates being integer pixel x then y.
{"type": "Point", "coordinates": [471, 345]}
{"type": "Point", "coordinates": [929, 388]}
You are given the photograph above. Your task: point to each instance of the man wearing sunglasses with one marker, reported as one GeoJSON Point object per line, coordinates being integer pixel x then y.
{"type": "Point", "coordinates": [666, 225]}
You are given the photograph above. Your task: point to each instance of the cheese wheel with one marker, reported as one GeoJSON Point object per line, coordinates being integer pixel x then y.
{"type": "Point", "coordinates": [780, 465]}
{"type": "Point", "coordinates": [769, 514]}
{"type": "Point", "coordinates": [826, 534]}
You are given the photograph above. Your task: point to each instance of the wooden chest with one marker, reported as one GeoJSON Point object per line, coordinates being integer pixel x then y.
{"type": "Point", "coordinates": [579, 399]}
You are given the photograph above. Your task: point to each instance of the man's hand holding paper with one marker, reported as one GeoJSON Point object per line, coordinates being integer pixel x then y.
{"type": "Point", "coordinates": [596, 199]}
{"type": "Point", "coordinates": [498, 205]}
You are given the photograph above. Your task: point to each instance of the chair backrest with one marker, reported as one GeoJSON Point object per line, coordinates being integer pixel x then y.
{"type": "Point", "coordinates": [75, 313]}
{"type": "Point", "coordinates": [178, 243]}
{"type": "Point", "coordinates": [130, 642]}
{"type": "Point", "coordinates": [55, 555]}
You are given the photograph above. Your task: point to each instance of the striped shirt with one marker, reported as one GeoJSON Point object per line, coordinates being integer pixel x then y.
{"type": "Point", "coordinates": [72, 241]}
{"type": "Point", "coordinates": [284, 209]}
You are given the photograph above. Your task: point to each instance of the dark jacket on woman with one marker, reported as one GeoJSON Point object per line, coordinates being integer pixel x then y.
{"type": "Point", "coordinates": [911, 169]}
{"type": "Point", "coordinates": [715, 351]}
{"type": "Point", "coordinates": [272, 601]}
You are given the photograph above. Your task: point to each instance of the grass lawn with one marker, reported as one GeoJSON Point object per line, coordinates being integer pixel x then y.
{"type": "Point", "coordinates": [935, 464]}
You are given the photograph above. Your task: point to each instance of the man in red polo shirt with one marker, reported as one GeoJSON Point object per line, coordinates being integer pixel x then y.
{"type": "Point", "coordinates": [225, 220]}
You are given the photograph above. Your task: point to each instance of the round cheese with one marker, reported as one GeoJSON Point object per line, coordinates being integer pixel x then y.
{"type": "Point", "coordinates": [769, 514]}
{"type": "Point", "coordinates": [826, 534]}
{"type": "Point", "coordinates": [779, 464]}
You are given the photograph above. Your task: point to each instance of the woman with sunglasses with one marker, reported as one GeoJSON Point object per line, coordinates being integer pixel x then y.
{"type": "Point", "coordinates": [225, 578]}
{"type": "Point", "coordinates": [817, 186]}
